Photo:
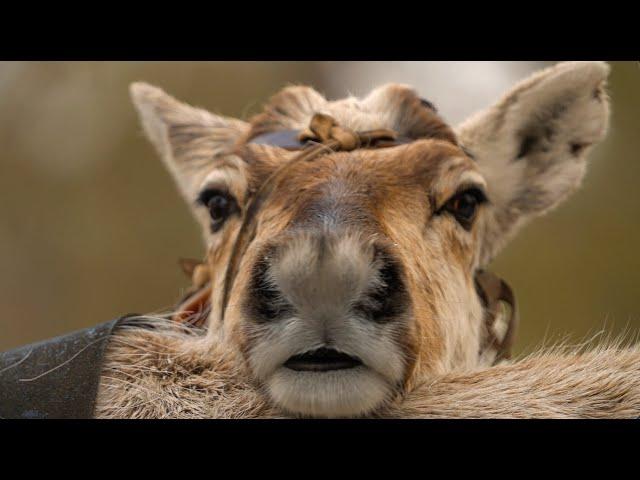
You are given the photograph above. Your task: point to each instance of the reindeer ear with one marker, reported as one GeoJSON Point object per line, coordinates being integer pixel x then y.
{"type": "Point", "coordinates": [532, 145]}
{"type": "Point", "coordinates": [187, 138]}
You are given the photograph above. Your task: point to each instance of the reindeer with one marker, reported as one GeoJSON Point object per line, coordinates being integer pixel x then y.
{"type": "Point", "coordinates": [345, 240]}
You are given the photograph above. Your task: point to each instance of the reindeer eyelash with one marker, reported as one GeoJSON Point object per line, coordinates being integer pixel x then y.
{"type": "Point", "coordinates": [477, 192]}
{"type": "Point", "coordinates": [463, 205]}
{"type": "Point", "coordinates": [205, 195]}
{"type": "Point", "coordinates": [221, 205]}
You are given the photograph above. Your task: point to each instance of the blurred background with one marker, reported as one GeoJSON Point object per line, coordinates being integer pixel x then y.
{"type": "Point", "coordinates": [91, 226]}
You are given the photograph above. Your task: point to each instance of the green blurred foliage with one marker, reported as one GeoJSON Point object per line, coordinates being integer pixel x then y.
{"type": "Point", "coordinates": [91, 225]}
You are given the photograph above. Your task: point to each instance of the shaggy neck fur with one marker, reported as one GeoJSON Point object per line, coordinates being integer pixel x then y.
{"type": "Point", "coordinates": [155, 369]}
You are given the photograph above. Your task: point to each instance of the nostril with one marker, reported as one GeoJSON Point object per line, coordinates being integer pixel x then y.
{"type": "Point", "coordinates": [266, 302]}
{"type": "Point", "coordinates": [387, 298]}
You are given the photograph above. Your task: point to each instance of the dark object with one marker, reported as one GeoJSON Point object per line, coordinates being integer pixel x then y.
{"type": "Point", "coordinates": [493, 290]}
{"type": "Point", "coordinates": [290, 140]}
{"type": "Point", "coordinates": [322, 360]}
{"type": "Point", "coordinates": [56, 378]}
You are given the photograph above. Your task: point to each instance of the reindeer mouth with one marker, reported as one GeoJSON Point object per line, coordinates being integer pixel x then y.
{"type": "Point", "coordinates": [322, 360]}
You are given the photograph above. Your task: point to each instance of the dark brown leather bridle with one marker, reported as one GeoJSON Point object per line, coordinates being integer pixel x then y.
{"type": "Point", "coordinates": [323, 136]}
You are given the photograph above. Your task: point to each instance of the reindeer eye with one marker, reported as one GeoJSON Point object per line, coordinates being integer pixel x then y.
{"type": "Point", "coordinates": [463, 206]}
{"type": "Point", "coordinates": [221, 206]}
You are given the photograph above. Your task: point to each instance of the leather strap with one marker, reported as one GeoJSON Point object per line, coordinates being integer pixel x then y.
{"type": "Point", "coordinates": [287, 139]}
{"type": "Point", "coordinates": [291, 140]}
{"type": "Point", "coordinates": [194, 307]}
{"type": "Point", "coordinates": [493, 290]}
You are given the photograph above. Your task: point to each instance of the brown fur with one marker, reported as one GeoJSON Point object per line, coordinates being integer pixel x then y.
{"type": "Point", "coordinates": [381, 201]}
{"type": "Point", "coordinates": [159, 374]}
{"type": "Point", "coordinates": [390, 198]}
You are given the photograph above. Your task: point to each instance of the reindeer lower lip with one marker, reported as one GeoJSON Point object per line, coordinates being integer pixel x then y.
{"type": "Point", "coordinates": [322, 360]}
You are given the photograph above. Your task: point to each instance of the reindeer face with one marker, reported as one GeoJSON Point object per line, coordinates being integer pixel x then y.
{"type": "Point", "coordinates": [357, 266]}
{"type": "Point", "coordinates": [359, 277]}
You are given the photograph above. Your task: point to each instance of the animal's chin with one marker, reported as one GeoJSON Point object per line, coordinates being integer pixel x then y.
{"type": "Point", "coordinates": [341, 388]}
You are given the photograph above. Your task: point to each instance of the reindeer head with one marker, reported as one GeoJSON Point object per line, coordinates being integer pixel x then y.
{"type": "Point", "coordinates": [358, 276]}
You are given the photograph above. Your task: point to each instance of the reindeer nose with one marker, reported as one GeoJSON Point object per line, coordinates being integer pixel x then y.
{"type": "Point", "coordinates": [325, 279]}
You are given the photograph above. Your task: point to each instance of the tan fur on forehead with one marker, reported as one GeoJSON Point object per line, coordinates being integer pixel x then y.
{"type": "Point", "coordinates": [405, 171]}
{"type": "Point", "coordinates": [392, 106]}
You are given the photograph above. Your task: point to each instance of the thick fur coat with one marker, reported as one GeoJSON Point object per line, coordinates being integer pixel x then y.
{"type": "Point", "coordinates": [365, 252]}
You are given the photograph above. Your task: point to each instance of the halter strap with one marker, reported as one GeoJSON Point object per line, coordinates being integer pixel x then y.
{"type": "Point", "coordinates": [492, 290]}
{"type": "Point", "coordinates": [290, 140]}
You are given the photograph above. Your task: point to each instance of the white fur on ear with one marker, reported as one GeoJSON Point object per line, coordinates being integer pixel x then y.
{"type": "Point", "coordinates": [531, 146]}
{"type": "Point", "coordinates": [187, 138]}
